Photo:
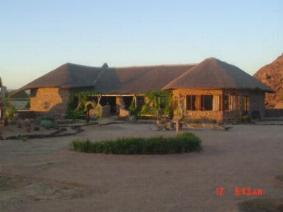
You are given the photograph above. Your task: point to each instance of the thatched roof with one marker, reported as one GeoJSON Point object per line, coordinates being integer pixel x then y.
{"type": "Point", "coordinates": [18, 94]}
{"type": "Point", "coordinates": [110, 80]}
{"type": "Point", "coordinates": [67, 76]}
{"type": "Point", "coordinates": [214, 74]}
{"type": "Point", "coordinates": [139, 79]}
{"type": "Point", "coordinates": [211, 73]}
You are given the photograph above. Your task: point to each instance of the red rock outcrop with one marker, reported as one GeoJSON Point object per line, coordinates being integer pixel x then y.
{"type": "Point", "coordinates": [272, 76]}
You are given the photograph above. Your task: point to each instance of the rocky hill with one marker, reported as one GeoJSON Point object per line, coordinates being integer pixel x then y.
{"type": "Point", "coordinates": [272, 76]}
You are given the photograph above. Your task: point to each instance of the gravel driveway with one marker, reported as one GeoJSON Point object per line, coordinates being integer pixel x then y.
{"type": "Point", "coordinates": [44, 175]}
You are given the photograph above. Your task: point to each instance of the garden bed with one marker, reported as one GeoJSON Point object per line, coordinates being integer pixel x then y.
{"type": "Point", "coordinates": [57, 133]}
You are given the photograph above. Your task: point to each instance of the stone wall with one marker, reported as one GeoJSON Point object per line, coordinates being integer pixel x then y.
{"type": "Point", "coordinates": [215, 114]}
{"type": "Point", "coordinates": [218, 113]}
{"type": "Point", "coordinates": [54, 102]}
{"type": "Point", "coordinates": [274, 113]}
{"type": "Point", "coordinates": [50, 100]}
{"type": "Point", "coordinates": [255, 103]}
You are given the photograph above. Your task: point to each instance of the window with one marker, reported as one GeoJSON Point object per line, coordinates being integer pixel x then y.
{"type": "Point", "coordinates": [226, 103]}
{"type": "Point", "coordinates": [33, 92]}
{"type": "Point", "coordinates": [191, 102]}
{"type": "Point", "coordinates": [245, 103]}
{"type": "Point", "coordinates": [206, 102]}
{"type": "Point", "coordinates": [230, 103]}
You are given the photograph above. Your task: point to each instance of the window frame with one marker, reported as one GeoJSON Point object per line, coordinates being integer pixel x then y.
{"type": "Point", "coordinates": [203, 102]}
{"type": "Point", "coordinates": [191, 102]}
{"type": "Point", "coordinates": [226, 104]}
{"type": "Point", "coordinates": [246, 101]}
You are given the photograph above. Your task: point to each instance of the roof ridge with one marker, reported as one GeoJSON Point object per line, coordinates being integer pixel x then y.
{"type": "Point", "coordinates": [179, 77]}
{"type": "Point", "coordinates": [80, 65]}
{"type": "Point", "coordinates": [101, 72]}
{"type": "Point", "coordinates": [154, 66]}
{"type": "Point", "coordinates": [213, 59]}
{"type": "Point", "coordinates": [215, 73]}
{"type": "Point", "coordinates": [133, 66]}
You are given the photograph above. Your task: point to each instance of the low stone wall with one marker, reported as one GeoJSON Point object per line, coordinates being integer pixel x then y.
{"type": "Point", "coordinates": [274, 113]}
{"type": "Point", "coordinates": [231, 116]}
{"type": "Point", "coordinates": [205, 115]}
{"type": "Point", "coordinates": [26, 114]}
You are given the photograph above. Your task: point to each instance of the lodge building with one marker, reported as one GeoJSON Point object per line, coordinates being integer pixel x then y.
{"type": "Point", "coordinates": [211, 89]}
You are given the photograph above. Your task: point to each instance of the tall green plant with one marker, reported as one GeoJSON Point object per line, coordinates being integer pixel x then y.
{"type": "Point", "coordinates": [79, 103]}
{"type": "Point", "coordinates": [9, 109]}
{"type": "Point", "coordinates": [158, 104]}
{"type": "Point", "coordinates": [134, 108]}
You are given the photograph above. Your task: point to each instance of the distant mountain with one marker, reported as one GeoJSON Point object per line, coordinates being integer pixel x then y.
{"type": "Point", "coordinates": [272, 76]}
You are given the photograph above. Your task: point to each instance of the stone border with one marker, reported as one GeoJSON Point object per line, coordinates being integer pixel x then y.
{"type": "Point", "coordinates": [57, 133]}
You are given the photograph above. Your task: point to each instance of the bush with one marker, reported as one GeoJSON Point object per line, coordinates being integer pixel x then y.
{"type": "Point", "coordinates": [48, 124]}
{"type": "Point", "coordinates": [9, 110]}
{"type": "Point", "coordinates": [185, 142]}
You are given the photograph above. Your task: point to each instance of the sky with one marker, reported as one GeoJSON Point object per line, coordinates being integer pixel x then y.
{"type": "Point", "coordinates": [36, 36]}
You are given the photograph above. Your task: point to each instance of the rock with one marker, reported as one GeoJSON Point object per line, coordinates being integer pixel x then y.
{"type": "Point", "coordinates": [272, 76]}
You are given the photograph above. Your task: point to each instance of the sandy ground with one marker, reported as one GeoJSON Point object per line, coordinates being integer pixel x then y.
{"type": "Point", "coordinates": [44, 175]}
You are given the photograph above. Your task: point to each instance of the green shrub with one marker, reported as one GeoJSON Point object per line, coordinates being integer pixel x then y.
{"type": "Point", "coordinates": [9, 110]}
{"type": "Point", "coordinates": [48, 124]}
{"type": "Point", "coordinates": [39, 119]}
{"type": "Point", "coordinates": [185, 142]}
{"type": "Point", "coordinates": [158, 104]}
{"type": "Point", "coordinates": [134, 110]}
